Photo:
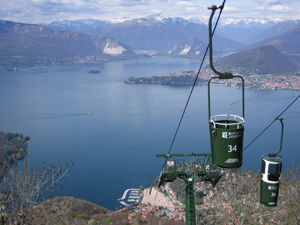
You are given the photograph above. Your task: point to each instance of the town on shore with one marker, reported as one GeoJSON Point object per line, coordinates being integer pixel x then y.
{"type": "Point", "coordinates": [163, 202]}
{"type": "Point", "coordinates": [221, 201]}
{"type": "Point", "coordinates": [253, 81]}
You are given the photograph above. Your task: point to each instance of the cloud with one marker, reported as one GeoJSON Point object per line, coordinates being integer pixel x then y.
{"type": "Point", "coordinates": [288, 1]}
{"type": "Point", "coordinates": [131, 3]}
{"type": "Point", "coordinates": [231, 9]}
{"type": "Point", "coordinates": [280, 8]}
{"type": "Point", "coordinates": [276, 2]}
{"type": "Point", "coordinates": [191, 9]}
{"type": "Point", "coordinates": [269, 2]}
{"type": "Point", "coordinates": [31, 11]}
{"type": "Point", "coordinates": [261, 8]}
{"type": "Point", "coordinates": [185, 3]}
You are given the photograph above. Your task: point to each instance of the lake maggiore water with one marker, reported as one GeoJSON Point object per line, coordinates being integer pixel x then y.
{"type": "Point", "coordinates": [113, 131]}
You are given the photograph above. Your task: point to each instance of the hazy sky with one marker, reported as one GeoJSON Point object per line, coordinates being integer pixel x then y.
{"type": "Point", "coordinates": [33, 11]}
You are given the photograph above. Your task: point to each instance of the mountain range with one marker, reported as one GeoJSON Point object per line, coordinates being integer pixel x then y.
{"type": "Point", "coordinates": [163, 34]}
{"type": "Point", "coordinates": [158, 33]}
{"type": "Point", "coordinates": [90, 40]}
{"type": "Point", "coordinates": [28, 44]}
{"type": "Point", "coordinates": [180, 37]}
{"type": "Point", "coordinates": [247, 30]}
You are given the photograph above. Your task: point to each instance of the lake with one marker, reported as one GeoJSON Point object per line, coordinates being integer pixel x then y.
{"type": "Point", "coordinates": [113, 131]}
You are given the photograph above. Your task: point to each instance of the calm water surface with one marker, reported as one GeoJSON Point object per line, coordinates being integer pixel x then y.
{"type": "Point", "coordinates": [115, 147]}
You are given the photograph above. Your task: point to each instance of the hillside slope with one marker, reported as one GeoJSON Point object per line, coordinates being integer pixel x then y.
{"type": "Point", "coordinates": [161, 35]}
{"type": "Point", "coordinates": [288, 42]}
{"type": "Point", "coordinates": [26, 44]}
{"type": "Point", "coordinates": [69, 210]}
{"type": "Point", "coordinates": [262, 60]}
{"type": "Point", "coordinates": [12, 147]}
{"type": "Point", "coordinates": [234, 200]}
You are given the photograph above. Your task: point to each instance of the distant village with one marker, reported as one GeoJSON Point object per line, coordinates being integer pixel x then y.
{"type": "Point", "coordinates": [255, 81]}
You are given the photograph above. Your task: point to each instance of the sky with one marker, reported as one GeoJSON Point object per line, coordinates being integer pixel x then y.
{"type": "Point", "coordinates": [37, 11]}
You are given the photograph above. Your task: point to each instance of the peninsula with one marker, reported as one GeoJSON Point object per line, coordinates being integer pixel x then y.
{"type": "Point", "coordinates": [255, 81]}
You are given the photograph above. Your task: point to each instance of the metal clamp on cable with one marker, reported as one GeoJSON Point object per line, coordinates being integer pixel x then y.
{"type": "Point", "coordinates": [225, 75]}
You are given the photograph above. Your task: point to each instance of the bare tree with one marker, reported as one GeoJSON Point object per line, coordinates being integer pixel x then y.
{"type": "Point", "coordinates": [22, 188]}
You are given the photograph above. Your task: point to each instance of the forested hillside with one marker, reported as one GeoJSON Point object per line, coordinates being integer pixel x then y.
{"type": "Point", "coordinates": [12, 147]}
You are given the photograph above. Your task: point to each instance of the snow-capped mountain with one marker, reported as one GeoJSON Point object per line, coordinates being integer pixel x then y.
{"type": "Point", "coordinates": [237, 22]}
{"type": "Point", "coordinates": [192, 47]}
{"type": "Point", "coordinates": [164, 19]}
{"type": "Point", "coordinates": [159, 32]}
{"type": "Point", "coordinates": [253, 30]}
{"type": "Point", "coordinates": [249, 22]}
{"type": "Point", "coordinates": [78, 25]}
{"type": "Point", "coordinates": [86, 24]}
{"type": "Point", "coordinates": [250, 30]}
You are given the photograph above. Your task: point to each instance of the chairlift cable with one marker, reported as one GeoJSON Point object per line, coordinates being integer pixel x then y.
{"type": "Point", "coordinates": [195, 82]}
{"type": "Point", "coordinates": [272, 122]}
{"type": "Point", "coordinates": [188, 100]}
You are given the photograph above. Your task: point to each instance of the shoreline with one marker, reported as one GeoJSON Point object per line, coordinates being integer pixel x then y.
{"type": "Point", "coordinates": [253, 81]}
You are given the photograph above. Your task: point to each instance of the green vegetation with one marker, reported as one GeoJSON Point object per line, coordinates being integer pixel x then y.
{"type": "Point", "coordinates": [109, 220]}
{"type": "Point", "coordinates": [179, 187]}
{"type": "Point", "coordinates": [94, 222]}
{"type": "Point", "coordinates": [186, 78]}
{"type": "Point", "coordinates": [141, 190]}
{"type": "Point", "coordinates": [12, 147]}
{"type": "Point", "coordinates": [81, 216]}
